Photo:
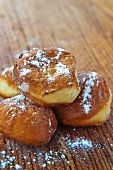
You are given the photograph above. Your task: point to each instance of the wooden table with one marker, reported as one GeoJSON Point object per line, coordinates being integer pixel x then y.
{"type": "Point", "coordinates": [86, 29]}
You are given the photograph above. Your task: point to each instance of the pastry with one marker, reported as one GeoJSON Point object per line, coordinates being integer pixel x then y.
{"type": "Point", "coordinates": [25, 122]}
{"type": "Point", "coordinates": [8, 87]}
{"type": "Point", "coordinates": [47, 77]}
{"type": "Point", "coordinates": [91, 107]}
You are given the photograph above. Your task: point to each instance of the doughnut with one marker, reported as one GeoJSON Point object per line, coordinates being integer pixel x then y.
{"type": "Point", "coordinates": [25, 122]}
{"type": "Point", "coordinates": [47, 76]}
{"type": "Point", "coordinates": [8, 87]}
{"type": "Point", "coordinates": [91, 107]}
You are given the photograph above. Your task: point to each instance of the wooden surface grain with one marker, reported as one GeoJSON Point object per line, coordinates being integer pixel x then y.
{"type": "Point", "coordinates": [86, 29]}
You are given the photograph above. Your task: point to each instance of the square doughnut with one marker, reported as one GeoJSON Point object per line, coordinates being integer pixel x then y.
{"type": "Point", "coordinates": [48, 76]}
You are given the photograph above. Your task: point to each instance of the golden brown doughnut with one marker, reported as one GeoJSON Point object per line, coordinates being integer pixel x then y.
{"type": "Point", "coordinates": [26, 123]}
{"type": "Point", "coordinates": [8, 87]}
{"type": "Point", "coordinates": [91, 107]}
{"type": "Point", "coordinates": [47, 76]}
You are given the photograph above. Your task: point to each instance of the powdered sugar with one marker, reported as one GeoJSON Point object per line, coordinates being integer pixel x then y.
{"type": "Point", "coordinates": [35, 63]}
{"type": "Point", "coordinates": [24, 87]}
{"type": "Point", "coordinates": [56, 153]}
{"type": "Point", "coordinates": [40, 53]}
{"type": "Point", "coordinates": [17, 167]}
{"type": "Point", "coordinates": [10, 69]}
{"type": "Point", "coordinates": [44, 64]}
{"type": "Point", "coordinates": [20, 102]}
{"type": "Point", "coordinates": [41, 61]}
{"type": "Point", "coordinates": [81, 143]}
{"type": "Point", "coordinates": [50, 78]}
{"type": "Point", "coordinates": [62, 69]}
{"type": "Point", "coordinates": [87, 96]}
{"type": "Point", "coordinates": [3, 152]}
{"type": "Point", "coordinates": [22, 106]}
{"type": "Point", "coordinates": [60, 50]}
{"type": "Point", "coordinates": [24, 71]}
{"type": "Point", "coordinates": [13, 104]}
{"type": "Point", "coordinates": [8, 160]}
{"type": "Point", "coordinates": [26, 55]}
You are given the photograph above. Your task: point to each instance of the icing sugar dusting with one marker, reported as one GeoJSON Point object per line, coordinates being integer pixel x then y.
{"type": "Point", "coordinates": [40, 53]}
{"type": "Point", "coordinates": [26, 55]}
{"type": "Point", "coordinates": [18, 101]}
{"type": "Point", "coordinates": [48, 157]}
{"type": "Point", "coordinates": [87, 91]}
{"type": "Point", "coordinates": [24, 87]}
{"type": "Point", "coordinates": [24, 71]}
{"type": "Point", "coordinates": [50, 78]}
{"type": "Point", "coordinates": [60, 50]}
{"type": "Point", "coordinates": [62, 69]}
{"type": "Point", "coordinates": [35, 63]}
{"type": "Point", "coordinates": [7, 69]}
{"type": "Point", "coordinates": [22, 106]}
{"type": "Point", "coordinates": [81, 143]}
{"type": "Point", "coordinates": [43, 63]}
{"type": "Point", "coordinates": [17, 167]}
{"type": "Point", "coordinates": [8, 160]}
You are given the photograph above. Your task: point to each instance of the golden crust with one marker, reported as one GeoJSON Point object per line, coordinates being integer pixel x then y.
{"type": "Point", "coordinates": [91, 107]}
{"type": "Point", "coordinates": [42, 75]}
{"type": "Point", "coordinates": [26, 123]}
{"type": "Point", "coordinates": [8, 87]}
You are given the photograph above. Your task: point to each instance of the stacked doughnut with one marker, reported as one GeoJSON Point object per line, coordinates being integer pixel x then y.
{"type": "Point", "coordinates": [42, 85]}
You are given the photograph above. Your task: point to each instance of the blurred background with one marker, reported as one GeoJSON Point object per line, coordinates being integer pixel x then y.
{"type": "Point", "coordinates": [83, 27]}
